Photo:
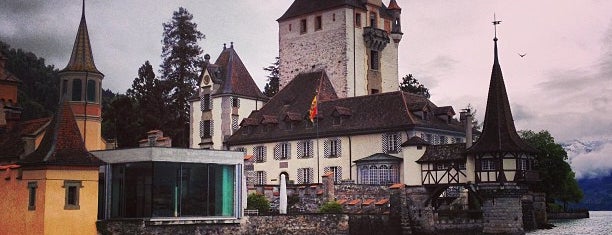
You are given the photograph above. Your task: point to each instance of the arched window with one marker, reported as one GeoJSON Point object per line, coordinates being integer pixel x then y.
{"type": "Point", "coordinates": [374, 176]}
{"type": "Point", "coordinates": [77, 88]}
{"type": "Point", "coordinates": [384, 174]}
{"type": "Point", "coordinates": [365, 175]}
{"type": "Point", "coordinates": [91, 91]}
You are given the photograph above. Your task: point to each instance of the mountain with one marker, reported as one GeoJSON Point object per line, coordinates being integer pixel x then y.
{"type": "Point", "coordinates": [591, 159]}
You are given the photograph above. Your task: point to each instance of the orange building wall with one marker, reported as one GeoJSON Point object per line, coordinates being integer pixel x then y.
{"type": "Point", "coordinates": [82, 221]}
{"type": "Point", "coordinates": [49, 216]}
{"type": "Point", "coordinates": [8, 92]}
{"type": "Point", "coordinates": [93, 140]}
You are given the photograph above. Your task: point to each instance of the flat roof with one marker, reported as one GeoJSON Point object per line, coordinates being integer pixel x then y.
{"type": "Point", "coordinates": [164, 154]}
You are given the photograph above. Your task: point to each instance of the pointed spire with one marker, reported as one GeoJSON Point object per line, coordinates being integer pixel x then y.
{"type": "Point", "coordinates": [393, 5]}
{"type": "Point", "coordinates": [81, 59]}
{"type": "Point", "coordinates": [498, 133]}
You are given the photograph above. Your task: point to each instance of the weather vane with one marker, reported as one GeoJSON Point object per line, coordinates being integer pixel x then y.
{"type": "Point", "coordinates": [495, 23]}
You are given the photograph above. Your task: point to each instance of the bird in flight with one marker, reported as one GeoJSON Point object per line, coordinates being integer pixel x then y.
{"type": "Point", "coordinates": [522, 55]}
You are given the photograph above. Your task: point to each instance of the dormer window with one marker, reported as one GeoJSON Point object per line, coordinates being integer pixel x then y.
{"type": "Point", "coordinates": [337, 120]}
{"type": "Point", "coordinates": [288, 125]}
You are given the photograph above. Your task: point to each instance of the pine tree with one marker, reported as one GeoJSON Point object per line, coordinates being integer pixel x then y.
{"type": "Point", "coordinates": [273, 84]}
{"type": "Point", "coordinates": [179, 71]}
{"type": "Point", "coordinates": [148, 93]}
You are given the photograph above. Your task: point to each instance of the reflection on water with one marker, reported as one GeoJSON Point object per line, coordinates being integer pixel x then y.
{"type": "Point", "coordinates": [599, 223]}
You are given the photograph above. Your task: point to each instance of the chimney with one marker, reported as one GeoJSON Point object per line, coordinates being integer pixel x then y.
{"type": "Point", "coordinates": [466, 118]}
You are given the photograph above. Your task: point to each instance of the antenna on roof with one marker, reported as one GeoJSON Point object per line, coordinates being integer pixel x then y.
{"type": "Point", "coordinates": [495, 23]}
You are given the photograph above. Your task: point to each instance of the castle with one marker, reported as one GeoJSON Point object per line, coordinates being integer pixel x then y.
{"type": "Point", "coordinates": [336, 57]}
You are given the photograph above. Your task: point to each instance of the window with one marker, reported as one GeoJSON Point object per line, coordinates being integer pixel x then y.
{"type": "Point", "coordinates": [260, 153]}
{"type": "Point", "coordinates": [260, 177]}
{"type": "Point", "coordinates": [487, 164]}
{"type": "Point", "coordinates": [303, 28]}
{"type": "Point", "coordinates": [32, 186]}
{"type": "Point", "coordinates": [443, 139]}
{"type": "Point", "coordinates": [305, 149]}
{"type": "Point", "coordinates": [441, 166]}
{"type": "Point", "coordinates": [288, 125]}
{"type": "Point", "coordinates": [429, 138]}
{"type": "Point", "coordinates": [523, 164]}
{"type": "Point", "coordinates": [391, 142]}
{"type": "Point", "coordinates": [73, 187]}
{"type": "Point", "coordinates": [318, 23]}
{"type": "Point", "coordinates": [64, 87]}
{"type": "Point", "coordinates": [235, 102]}
{"type": "Point", "coordinates": [374, 176]}
{"type": "Point", "coordinates": [289, 27]}
{"type": "Point", "coordinates": [332, 148]}
{"type": "Point", "coordinates": [374, 91]}
{"type": "Point", "coordinates": [304, 175]}
{"type": "Point", "coordinates": [336, 172]}
{"type": "Point", "coordinates": [235, 123]}
{"type": "Point", "coordinates": [337, 120]}
{"type": "Point", "coordinates": [358, 20]}
{"type": "Point", "coordinates": [240, 149]}
{"type": "Point", "coordinates": [283, 151]}
{"type": "Point", "coordinates": [206, 128]}
{"type": "Point", "coordinates": [205, 103]}
{"type": "Point", "coordinates": [91, 91]}
{"type": "Point", "coordinates": [373, 20]}
{"type": "Point", "coordinates": [334, 17]}
{"type": "Point", "coordinates": [374, 60]}
{"type": "Point", "coordinates": [462, 166]}
{"type": "Point", "coordinates": [77, 87]}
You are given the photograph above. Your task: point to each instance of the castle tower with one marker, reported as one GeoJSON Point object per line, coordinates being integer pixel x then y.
{"type": "Point", "coordinates": [355, 42]}
{"type": "Point", "coordinates": [80, 84]}
{"type": "Point", "coordinates": [503, 162]}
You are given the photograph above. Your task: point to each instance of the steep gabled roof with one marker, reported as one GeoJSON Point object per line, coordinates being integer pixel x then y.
{"type": "Point", "coordinates": [442, 153]}
{"type": "Point", "coordinates": [499, 133]}
{"type": "Point", "coordinates": [11, 142]}
{"type": "Point", "coordinates": [358, 115]}
{"type": "Point", "coordinates": [234, 76]}
{"type": "Point", "coordinates": [302, 7]}
{"type": "Point", "coordinates": [62, 143]}
{"type": "Point", "coordinates": [81, 59]}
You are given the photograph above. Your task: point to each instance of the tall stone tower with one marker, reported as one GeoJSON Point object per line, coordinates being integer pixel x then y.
{"type": "Point", "coordinates": [354, 41]}
{"type": "Point", "coordinates": [80, 84]}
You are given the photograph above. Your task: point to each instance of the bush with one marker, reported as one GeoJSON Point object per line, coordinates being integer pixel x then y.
{"type": "Point", "coordinates": [331, 207]}
{"type": "Point", "coordinates": [258, 202]}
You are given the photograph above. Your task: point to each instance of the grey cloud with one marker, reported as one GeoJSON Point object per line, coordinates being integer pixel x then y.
{"type": "Point", "coordinates": [593, 164]}
{"type": "Point", "coordinates": [521, 112]}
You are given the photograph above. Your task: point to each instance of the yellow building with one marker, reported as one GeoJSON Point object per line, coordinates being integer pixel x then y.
{"type": "Point", "coordinates": [53, 190]}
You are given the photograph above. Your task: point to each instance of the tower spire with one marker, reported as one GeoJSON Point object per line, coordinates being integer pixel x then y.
{"type": "Point", "coordinates": [81, 59]}
{"type": "Point", "coordinates": [498, 133]}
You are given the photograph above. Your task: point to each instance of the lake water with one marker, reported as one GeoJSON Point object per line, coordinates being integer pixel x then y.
{"type": "Point", "coordinates": [599, 223]}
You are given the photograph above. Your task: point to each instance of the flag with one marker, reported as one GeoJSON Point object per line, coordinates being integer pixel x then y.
{"type": "Point", "coordinates": [313, 109]}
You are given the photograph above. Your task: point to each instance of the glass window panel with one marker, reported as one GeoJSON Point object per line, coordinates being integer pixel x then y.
{"type": "Point", "coordinates": [76, 90]}
{"type": "Point", "coordinates": [91, 90]}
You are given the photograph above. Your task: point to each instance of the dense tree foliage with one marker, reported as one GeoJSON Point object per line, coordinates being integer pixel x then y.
{"type": "Point", "coordinates": [258, 202]}
{"type": "Point", "coordinates": [331, 207]}
{"type": "Point", "coordinates": [149, 95]}
{"type": "Point", "coordinates": [39, 90]}
{"type": "Point", "coordinates": [412, 85]}
{"type": "Point", "coordinates": [179, 71]}
{"type": "Point", "coordinates": [122, 123]}
{"type": "Point", "coordinates": [273, 84]}
{"type": "Point", "coordinates": [557, 178]}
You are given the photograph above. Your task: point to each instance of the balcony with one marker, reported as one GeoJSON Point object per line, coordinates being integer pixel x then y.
{"type": "Point", "coordinates": [375, 39]}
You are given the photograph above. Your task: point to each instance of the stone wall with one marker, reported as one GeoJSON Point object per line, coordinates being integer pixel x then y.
{"type": "Point", "coordinates": [277, 224]}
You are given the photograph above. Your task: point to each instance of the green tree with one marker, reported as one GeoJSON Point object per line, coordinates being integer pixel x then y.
{"type": "Point", "coordinates": [412, 85]}
{"type": "Point", "coordinates": [273, 84]}
{"type": "Point", "coordinates": [258, 202]}
{"type": "Point", "coordinates": [557, 178]}
{"type": "Point", "coordinates": [122, 123]}
{"type": "Point", "coordinates": [148, 93]}
{"type": "Point", "coordinates": [39, 88]}
{"type": "Point", "coordinates": [179, 71]}
{"type": "Point", "coordinates": [331, 207]}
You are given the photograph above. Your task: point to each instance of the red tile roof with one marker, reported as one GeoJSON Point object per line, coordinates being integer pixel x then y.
{"type": "Point", "coordinates": [382, 202]}
{"type": "Point", "coordinates": [62, 143]}
{"type": "Point", "coordinates": [367, 202]}
{"type": "Point", "coordinates": [235, 77]}
{"type": "Point", "coordinates": [11, 143]}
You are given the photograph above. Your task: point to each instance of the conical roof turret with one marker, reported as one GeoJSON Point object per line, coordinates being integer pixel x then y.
{"type": "Point", "coordinates": [499, 133]}
{"type": "Point", "coordinates": [81, 59]}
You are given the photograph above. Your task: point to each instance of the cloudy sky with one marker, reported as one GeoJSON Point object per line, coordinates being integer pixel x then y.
{"type": "Point", "coordinates": [563, 84]}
